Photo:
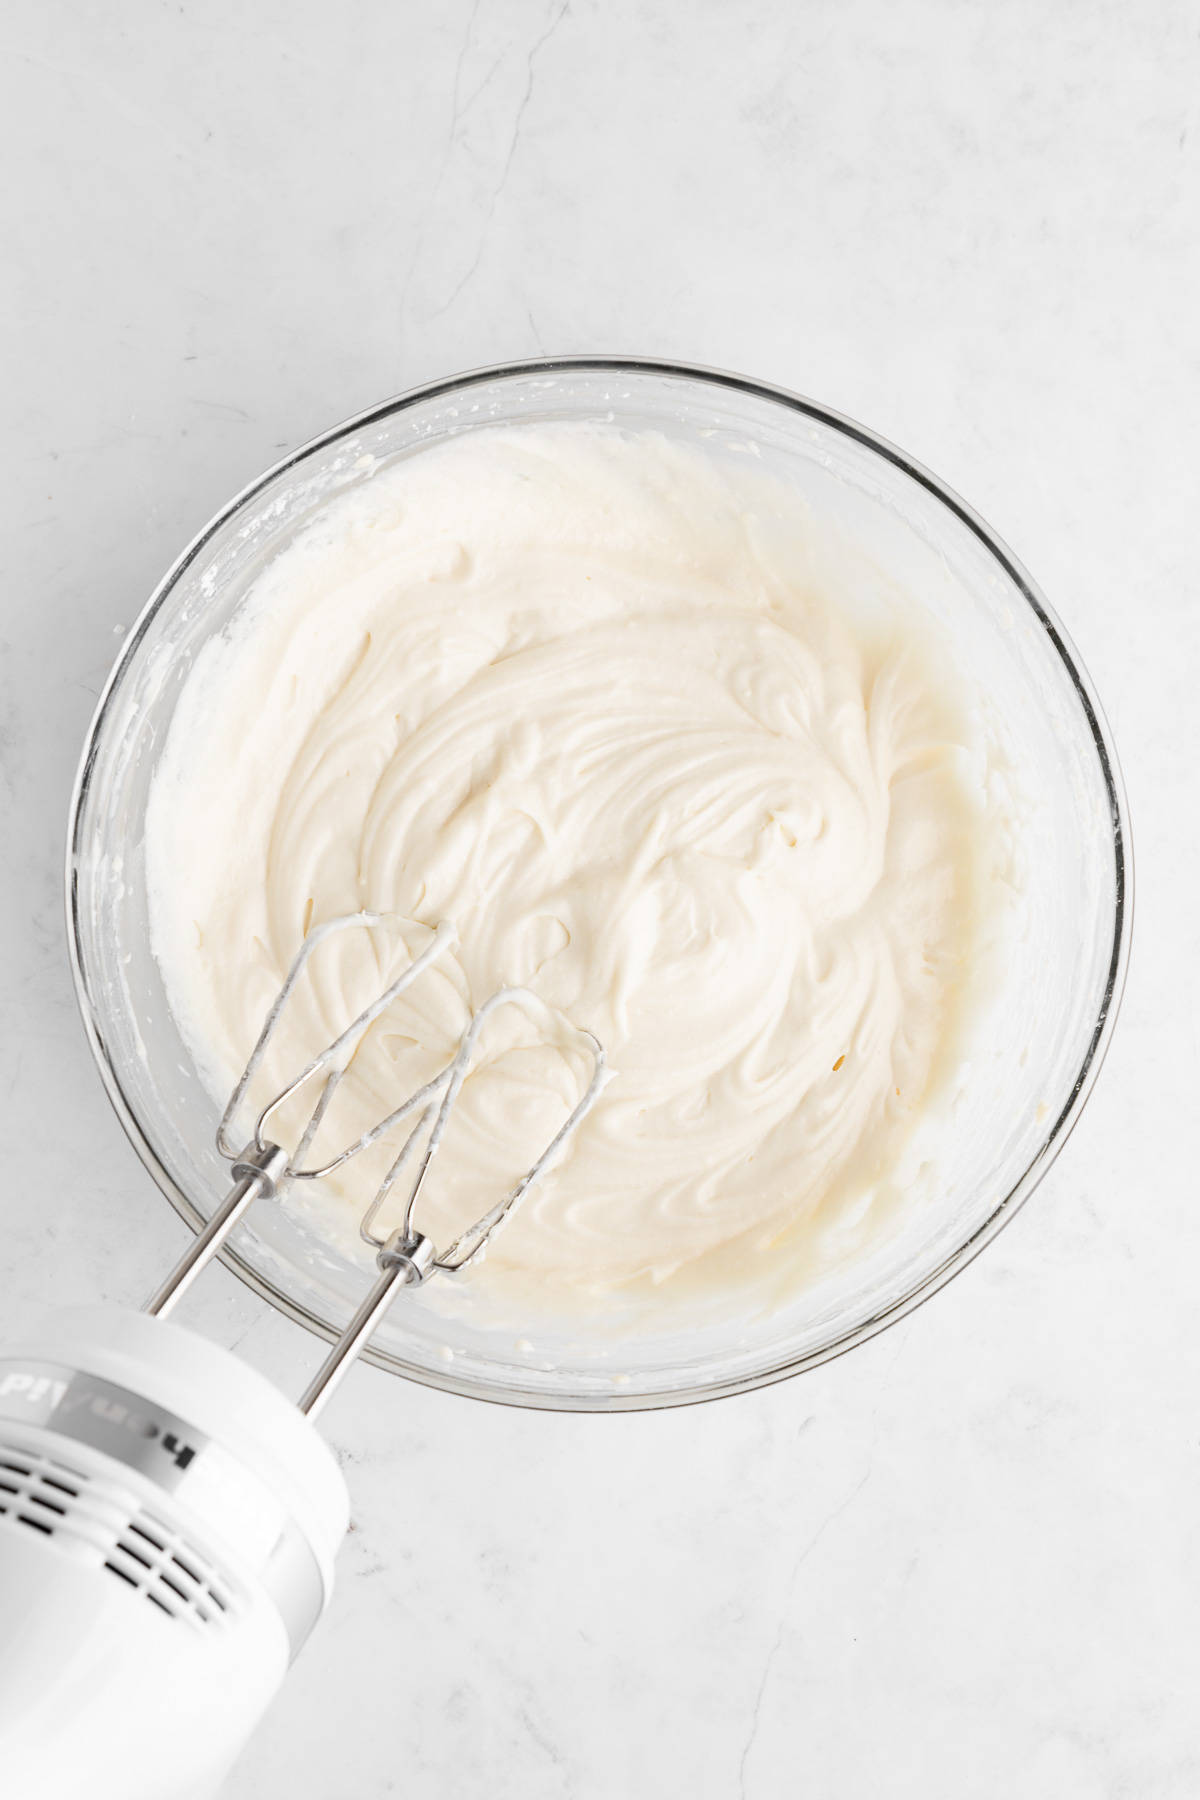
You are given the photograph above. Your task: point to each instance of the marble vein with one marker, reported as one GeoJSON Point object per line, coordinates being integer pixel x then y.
{"type": "Point", "coordinates": [785, 1621]}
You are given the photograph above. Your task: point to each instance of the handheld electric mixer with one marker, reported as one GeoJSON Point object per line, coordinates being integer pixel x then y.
{"type": "Point", "coordinates": [168, 1520]}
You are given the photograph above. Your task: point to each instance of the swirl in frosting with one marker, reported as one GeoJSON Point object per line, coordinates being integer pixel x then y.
{"type": "Point", "coordinates": [614, 706]}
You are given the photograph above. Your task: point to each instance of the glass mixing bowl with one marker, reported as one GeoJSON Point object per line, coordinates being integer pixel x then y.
{"type": "Point", "coordinates": [1046, 1032]}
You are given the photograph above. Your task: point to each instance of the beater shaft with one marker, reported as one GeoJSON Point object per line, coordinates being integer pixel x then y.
{"type": "Point", "coordinates": [256, 1175]}
{"type": "Point", "coordinates": [404, 1262]}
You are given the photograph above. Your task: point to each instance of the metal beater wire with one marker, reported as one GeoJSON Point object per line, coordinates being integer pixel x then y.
{"type": "Point", "coordinates": [452, 1078]}
{"type": "Point", "coordinates": [444, 936]}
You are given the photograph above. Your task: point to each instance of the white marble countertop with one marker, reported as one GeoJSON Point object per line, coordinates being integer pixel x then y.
{"type": "Point", "coordinates": [962, 1562]}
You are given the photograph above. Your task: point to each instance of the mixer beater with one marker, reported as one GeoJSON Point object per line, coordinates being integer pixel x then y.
{"type": "Point", "coordinates": [405, 1257]}
{"type": "Point", "coordinates": [140, 1463]}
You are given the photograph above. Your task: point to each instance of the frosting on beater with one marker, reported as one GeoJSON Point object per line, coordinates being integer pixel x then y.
{"type": "Point", "coordinates": [616, 707]}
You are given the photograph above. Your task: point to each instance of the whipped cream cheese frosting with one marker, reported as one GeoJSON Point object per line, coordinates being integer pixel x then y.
{"type": "Point", "coordinates": [623, 710]}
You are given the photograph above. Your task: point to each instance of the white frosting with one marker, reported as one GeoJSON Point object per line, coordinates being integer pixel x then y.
{"type": "Point", "coordinates": [623, 713]}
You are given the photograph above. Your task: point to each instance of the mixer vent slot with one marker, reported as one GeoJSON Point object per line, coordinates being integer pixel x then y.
{"type": "Point", "coordinates": [94, 1521]}
{"type": "Point", "coordinates": [34, 1491]}
{"type": "Point", "coordinates": [169, 1571]}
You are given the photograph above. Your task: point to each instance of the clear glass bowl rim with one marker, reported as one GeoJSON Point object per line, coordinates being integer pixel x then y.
{"type": "Point", "coordinates": [1059, 1129]}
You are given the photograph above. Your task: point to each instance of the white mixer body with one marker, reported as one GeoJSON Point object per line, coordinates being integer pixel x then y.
{"type": "Point", "coordinates": [167, 1530]}
{"type": "Point", "coordinates": [104, 1696]}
